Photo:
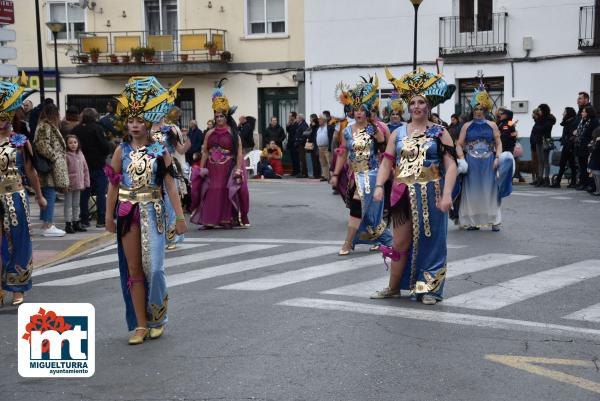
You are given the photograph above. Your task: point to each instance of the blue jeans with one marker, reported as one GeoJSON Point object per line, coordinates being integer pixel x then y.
{"type": "Point", "coordinates": [47, 214]}
{"type": "Point", "coordinates": [98, 187]}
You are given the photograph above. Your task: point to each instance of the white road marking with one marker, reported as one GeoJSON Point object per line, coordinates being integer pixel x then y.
{"type": "Point", "coordinates": [590, 314]}
{"type": "Point", "coordinates": [522, 288]}
{"type": "Point", "coordinates": [296, 276]}
{"type": "Point", "coordinates": [169, 262]}
{"type": "Point", "coordinates": [281, 241]}
{"type": "Point", "coordinates": [455, 268]}
{"type": "Point", "coordinates": [560, 197]}
{"type": "Point", "coordinates": [246, 265]}
{"type": "Point", "coordinates": [95, 261]}
{"type": "Point", "coordinates": [590, 201]}
{"type": "Point", "coordinates": [446, 317]}
{"type": "Point", "coordinates": [108, 248]}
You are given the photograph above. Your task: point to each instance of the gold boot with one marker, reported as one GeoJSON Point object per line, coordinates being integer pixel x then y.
{"type": "Point", "coordinates": [346, 249]}
{"type": "Point", "coordinates": [139, 335]}
{"type": "Point", "coordinates": [156, 332]}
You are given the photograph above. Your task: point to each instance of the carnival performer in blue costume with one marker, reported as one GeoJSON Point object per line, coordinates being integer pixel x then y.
{"type": "Point", "coordinates": [395, 110]}
{"type": "Point", "coordinates": [139, 170]}
{"type": "Point", "coordinates": [168, 134]}
{"type": "Point", "coordinates": [424, 161]}
{"type": "Point", "coordinates": [489, 174]}
{"type": "Point", "coordinates": [360, 144]}
{"type": "Point", "coordinates": [15, 162]}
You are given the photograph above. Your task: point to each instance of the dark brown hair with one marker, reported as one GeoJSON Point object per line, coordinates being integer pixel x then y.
{"type": "Point", "coordinates": [89, 115]}
{"type": "Point", "coordinates": [67, 142]}
{"type": "Point", "coordinates": [50, 114]}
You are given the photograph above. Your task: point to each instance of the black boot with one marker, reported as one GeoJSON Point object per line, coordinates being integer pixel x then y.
{"type": "Point", "coordinates": [546, 182]}
{"type": "Point", "coordinates": [77, 227]}
{"type": "Point", "coordinates": [69, 228]}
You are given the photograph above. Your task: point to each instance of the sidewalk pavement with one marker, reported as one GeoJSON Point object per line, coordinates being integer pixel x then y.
{"type": "Point", "coordinates": [50, 250]}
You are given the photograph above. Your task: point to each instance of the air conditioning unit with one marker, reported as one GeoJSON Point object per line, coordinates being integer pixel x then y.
{"type": "Point", "coordinates": [519, 106]}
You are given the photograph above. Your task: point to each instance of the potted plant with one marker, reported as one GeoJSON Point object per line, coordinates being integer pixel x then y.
{"type": "Point", "coordinates": [95, 54]}
{"type": "Point", "coordinates": [184, 57]}
{"type": "Point", "coordinates": [113, 58]}
{"type": "Point", "coordinates": [125, 59]}
{"type": "Point", "coordinates": [212, 48]}
{"type": "Point", "coordinates": [84, 58]}
{"type": "Point", "coordinates": [148, 53]}
{"type": "Point", "coordinates": [137, 53]}
{"type": "Point", "coordinates": [226, 56]}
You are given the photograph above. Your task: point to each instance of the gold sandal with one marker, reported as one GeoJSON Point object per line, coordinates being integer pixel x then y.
{"type": "Point", "coordinates": [346, 249]}
{"type": "Point", "coordinates": [17, 299]}
{"type": "Point", "coordinates": [156, 332]}
{"type": "Point", "coordinates": [139, 336]}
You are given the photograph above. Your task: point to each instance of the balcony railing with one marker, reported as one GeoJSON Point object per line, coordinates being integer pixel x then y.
{"type": "Point", "coordinates": [120, 47]}
{"type": "Point", "coordinates": [476, 35]}
{"type": "Point", "coordinates": [589, 28]}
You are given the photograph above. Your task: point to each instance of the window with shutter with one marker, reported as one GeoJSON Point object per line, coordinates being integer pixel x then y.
{"type": "Point", "coordinates": [266, 17]}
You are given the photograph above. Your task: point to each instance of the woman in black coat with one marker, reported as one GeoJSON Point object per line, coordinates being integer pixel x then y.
{"type": "Point", "coordinates": [567, 154]}
{"type": "Point", "coordinates": [586, 126]}
{"type": "Point", "coordinates": [541, 136]}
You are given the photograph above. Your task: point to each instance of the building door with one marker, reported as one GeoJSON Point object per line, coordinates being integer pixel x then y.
{"type": "Point", "coordinates": [187, 103]}
{"type": "Point", "coordinates": [275, 102]}
{"type": "Point", "coordinates": [494, 86]}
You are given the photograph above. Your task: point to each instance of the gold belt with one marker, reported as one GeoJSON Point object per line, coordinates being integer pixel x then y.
{"type": "Point", "coordinates": [139, 195]}
{"type": "Point", "coordinates": [428, 174]}
{"type": "Point", "coordinates": [10, 187]}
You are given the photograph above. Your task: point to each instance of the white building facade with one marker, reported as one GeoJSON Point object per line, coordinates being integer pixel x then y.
{"type": "Point", "coordinates": [530, 52]}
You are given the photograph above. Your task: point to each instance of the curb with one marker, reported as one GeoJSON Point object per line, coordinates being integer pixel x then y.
{"type": "Point", "coordinates": [78, 248]}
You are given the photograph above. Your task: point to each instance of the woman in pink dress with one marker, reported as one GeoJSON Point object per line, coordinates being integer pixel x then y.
{"type": "Point", "coordinates": [219, 185]}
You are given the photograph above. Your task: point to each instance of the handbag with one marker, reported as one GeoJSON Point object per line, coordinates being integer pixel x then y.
{"type": "Point", "coordinates": [549, 144]}
{"type": "Point", "coordinates": [518, 151]}
{"type": "Point", "coordinates": [309, 146]}
{"type": "Point", "coordinates": [41, 164]}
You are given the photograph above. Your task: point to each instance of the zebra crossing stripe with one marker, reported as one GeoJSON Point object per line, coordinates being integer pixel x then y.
{"type": "Point", "coordinates": [422, 314]}
{"type": "Point", "coordinates": [98, 260]}
{"type": "Point", "coordinates": [296, 276]}
{"type": "Point", "coordinates": [246, 265]}
{"type": "Point", "coordinates": [169, 262]}
{"type": "Point", "coordinates": [590, 314]}
{"type": "Point", "coordinates": [455, 268]}
{"type": "Point", "coordinates": [522, 288]}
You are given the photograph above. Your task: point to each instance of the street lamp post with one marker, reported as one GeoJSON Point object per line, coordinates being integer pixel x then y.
{"type": "Point", "coordinates": [56, 27]}
{"type": "Point", "coordinates": [416, 4]}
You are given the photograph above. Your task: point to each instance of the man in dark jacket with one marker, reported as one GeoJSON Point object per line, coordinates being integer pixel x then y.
{"type": "Point", "coordinates": [196, 137]}
{"type": "Point", "coordinates": [109, 119]}
{"type": "Point", "coordinates": [274, 132]}
{"type": "Point", "coordinates": [246, 128]}
{"type": "Point", "coordinates": [290, 128]}
{"type": "Point", "coordinates": [299, 143]}
{"type": "Point", "coordinates": [95, 149]}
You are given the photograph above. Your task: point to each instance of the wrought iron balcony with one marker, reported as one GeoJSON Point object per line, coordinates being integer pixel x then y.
{"type": "Point", "coordinates": [589, 28]}
{"type": "Point", "coordinates": [476, 35]}
{"type": "Point", "coordinates": [119, 49]}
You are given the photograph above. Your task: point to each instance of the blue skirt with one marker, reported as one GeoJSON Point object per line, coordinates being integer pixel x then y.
{"type": "Point", "coordinates": [152, 227]}
{"type": "Point", "coordinates": [17, 251]}
{"type": "Point", "coordinates": [372, 230]}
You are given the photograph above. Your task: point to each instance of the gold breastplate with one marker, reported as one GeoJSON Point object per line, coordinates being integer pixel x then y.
{"type": "Point", "coordinates": [8, 163]}
{"type": "Point", "coordinates": [361, 147]}
{"type": "Point", "coordinates": [140, 169]}
{"type": "Point", "coordinates": [412, 156]}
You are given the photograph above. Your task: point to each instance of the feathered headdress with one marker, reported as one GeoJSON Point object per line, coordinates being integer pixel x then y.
{"type": "Point", "coordinates": [395, 103]}
{"type": "Point", "coordinates": [482, 97]}
{"type": "Point", "coordinates": [12, 95]}
{"type": "Point", "coordinates": [363, 94]}
{"type": "Point", "coordinates": [422, 83]}
{"type": "Point", "coordinates": [146, 98]}
{"type": "Point", "coordinates": [220, 101]}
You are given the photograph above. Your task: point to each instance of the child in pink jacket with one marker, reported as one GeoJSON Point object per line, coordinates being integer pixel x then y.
{"type": "Point", "coordinates": [79, 179]}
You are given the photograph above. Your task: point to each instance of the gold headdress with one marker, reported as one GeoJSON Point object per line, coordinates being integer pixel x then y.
{"type": "Point", "coordinates": [12, 95]}
{"type": "Point", "coordinates": [220, 101]}
{"type": "Point", "coordinates": [419, 82]}
{"type": "Point", "coordinates": [363, 94]}
{"type": "Point", "coordinates": [482, 97]}
{"type": "Point", "coordinates": [145, 97]}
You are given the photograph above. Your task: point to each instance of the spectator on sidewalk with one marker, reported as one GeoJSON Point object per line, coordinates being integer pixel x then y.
{"type": "Point", "coordinates": [272, 152]}
{"type": "Point", "coordinates": [95, 149]}
{"type": "Point", "coordinates": [79, 180]}
{"type": "Point", "coordinates": [109, 121]}
{"type": "Point", "coordinates": [70, 121]}
{"type": "Point", "coordinates": [34, 115]}
{"type": "Point", "coordinates": [246, 128]}
{"type": "Point", "coordinates": [196, 137]}
{"type": "Point", "coordinates": [567, 154]}
{"type": "Point", "coordinates": [324, 135]}
{"type": "Point", "coordinates": [290, 128]}
{"type": "Point", "coordinates": [303, 131]}
{"type": "Point", "coordinates": [587, 125]}
{"type": "Point", "coordinates": [274, 132]}
{"type": "Point", "coordinates": [50, 145]}
{"type": "Point", "coordinates": [594, 163]}
{"type": "Point", "coordinates": [454, 127]}
{"type": "Point", "coordinates": [312, 151]}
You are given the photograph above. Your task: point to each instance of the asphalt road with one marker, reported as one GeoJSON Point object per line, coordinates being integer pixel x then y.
{"type": "Point", "coordinates": [272, 313]}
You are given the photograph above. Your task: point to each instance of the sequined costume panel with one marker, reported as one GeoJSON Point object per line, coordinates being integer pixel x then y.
{"type": "Point", "coordinates": [419, 167]}
{"type": "Point", "coordinates": [140, 177]}
{"type": "Point", "coordinates": [16, 247]}
{"type": "Point", "coordinates": [363, 166]}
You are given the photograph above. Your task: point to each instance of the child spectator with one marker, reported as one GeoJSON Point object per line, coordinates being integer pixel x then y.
{"type": "Point", "coordinates": [79, 179]}
{"type": "Point", "coordinates": [274, 154]}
